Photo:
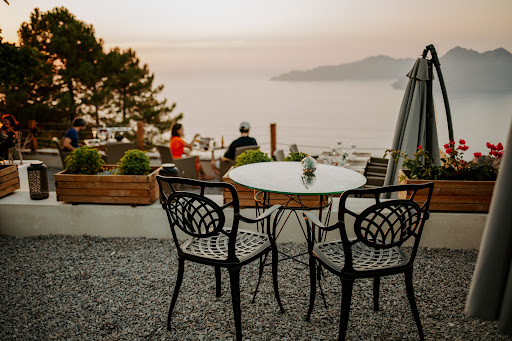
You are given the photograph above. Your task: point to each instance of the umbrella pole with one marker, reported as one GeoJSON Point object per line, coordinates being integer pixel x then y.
{"type": "Point", "coordinates": [430, 112]}
{"type": "Point", "coordinates": [435, 60]}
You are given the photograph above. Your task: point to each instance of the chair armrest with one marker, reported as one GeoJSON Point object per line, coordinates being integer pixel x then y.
{"type": "Point", "coordinates": [314, 219]}
{"type": "Point", "coordinates": [265, 214]}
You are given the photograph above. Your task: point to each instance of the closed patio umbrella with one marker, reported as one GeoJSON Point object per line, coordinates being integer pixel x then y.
{"type": "Point", "coordinates": [490, 294]}
{"type": "Point", "coordinates": [416, 124]}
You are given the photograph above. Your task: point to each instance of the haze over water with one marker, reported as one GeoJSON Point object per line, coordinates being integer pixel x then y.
{"type": "Point", "coordinates": [315, 114]}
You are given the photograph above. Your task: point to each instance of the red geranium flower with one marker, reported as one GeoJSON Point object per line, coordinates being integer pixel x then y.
{"type": "Point", "coordinates": [477, 155]}
{"type": "Point", "coordinates": [419, 147]}
{"type": "Point", "coordinates": [449, 150]}
{"type": "Point", "coordinates": [499, 146]}
{"type": "Point", "coordinates": [462, 142]}
{"type": "Point", "coordinates": [446, 146]}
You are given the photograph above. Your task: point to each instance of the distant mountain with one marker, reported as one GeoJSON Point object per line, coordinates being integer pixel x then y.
{"type": "Point", "coordinates": [464, 70]}
{"type": "Point", "coordinates": [378, 67]}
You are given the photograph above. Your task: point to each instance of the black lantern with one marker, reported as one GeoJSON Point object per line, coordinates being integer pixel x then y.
{"type": "Point", "coordinates": [37, 180]}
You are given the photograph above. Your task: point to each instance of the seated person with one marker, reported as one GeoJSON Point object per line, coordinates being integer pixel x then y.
{"type": "Point", "coordinates": [70, 141]}
{"type": "Point", "coordinates": [243, 141]}
{"type": "Point", "coordinates": [8, 135]}
{"type": "Point", "coordinates": [178, 145]}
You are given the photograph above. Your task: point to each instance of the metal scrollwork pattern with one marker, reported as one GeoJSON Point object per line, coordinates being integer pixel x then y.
{"type": "Point", "coordinates": [388, 224]}
{"type": "Point", "coordinates": [195, 215]}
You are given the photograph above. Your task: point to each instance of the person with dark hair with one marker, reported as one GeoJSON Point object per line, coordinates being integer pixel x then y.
{"type": "Point", "coordinates": [178, 145]}
{"type": "Point", "coordinates": [70, 141]}
{"type": "Point", "coordinates": [243, 141]}
{"type": "Point", "coordinates": [8, 136]}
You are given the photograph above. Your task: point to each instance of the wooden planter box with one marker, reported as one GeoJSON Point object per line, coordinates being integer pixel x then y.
{"type": "Point", "coordinates": [453, 195]}
{"type": "Point", "coordinates": [107, 189]}
{"type": "Point", "coordinates": [246, 196]}
{"type": "Point", "coordinates": [9, 179]}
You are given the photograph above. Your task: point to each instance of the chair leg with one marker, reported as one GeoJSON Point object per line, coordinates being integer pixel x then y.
{"type": "Point", "coordinates": [346, 298]}
{"type": "Point", "coordinates": [260, 273]}
{"type": "Point", "coordinates": [177, 286]}
{"type": "Point", "coordinates": [218, 282]}
{"type": "Point", "coordinates": [412, 301]}
{"type": "Point", "coordinates": [275, 260]}
{"type": "Point", "coordinates": [312, 285]}
{"type": "Point", "coordinates": [376, 286]}
{"type": "Point", "coordinates": [234, 278]}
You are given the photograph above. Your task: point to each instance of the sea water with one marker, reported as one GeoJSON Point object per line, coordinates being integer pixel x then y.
{"type": "Point", "coordinates": [314, 115]}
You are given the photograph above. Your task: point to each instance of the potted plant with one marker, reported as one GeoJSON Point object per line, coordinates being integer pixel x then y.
{"type": "Point", "coordinates": [295, 157]}
{"type": "Point", "coordinates": [245, 194]}
{"type": "Point", "coordinates": [459, 185]}
{"type": "Point", "coordinates": [87, 179]}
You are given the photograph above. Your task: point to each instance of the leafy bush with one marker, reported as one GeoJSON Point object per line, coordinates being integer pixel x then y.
{"type": "Point", "coordinates": [295, 157]}
{"type": "Point", "coordinates": [134, 162]}
{"type": "Point", "coordinates": [252, 156]}
{"type": "Point", "coordinates": [84, 160]}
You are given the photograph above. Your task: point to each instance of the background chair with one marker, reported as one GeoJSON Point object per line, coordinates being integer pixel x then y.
{"type": "Point", "coordinates": [375, 172]}
{"type": "Point", "coordinates": [186, 165]}
{"type": "Point", "coordinates": [380, 231]}
{"type": "Point", "coordinates": [62, 154]}
{"type": "Point", "coordinates": [279, 154]}
{"type": "Point", "coordinates": [213, 243]}
{"type": "Point", "coordinates": [116, 150]}
{"type": "Point", "coordinates": [226, 165]}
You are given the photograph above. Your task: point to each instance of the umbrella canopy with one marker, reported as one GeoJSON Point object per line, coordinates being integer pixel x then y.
{"type": "Point", "coordinates": [416, 125]}
{"type": "Point", "coordinates": [490, 295]}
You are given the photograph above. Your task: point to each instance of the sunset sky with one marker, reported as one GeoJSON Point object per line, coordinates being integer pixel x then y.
{"type": "Point", "coordinates": [191, 37]}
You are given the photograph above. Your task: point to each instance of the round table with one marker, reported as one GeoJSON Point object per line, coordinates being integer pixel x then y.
{"type": "Point", "coordinates": [287, 178]}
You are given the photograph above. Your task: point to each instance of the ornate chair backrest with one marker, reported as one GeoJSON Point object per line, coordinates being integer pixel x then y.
{"type": "Point", "coordinates": [387, 223]}
{"type": "Point", "coordinates": [194, 213]}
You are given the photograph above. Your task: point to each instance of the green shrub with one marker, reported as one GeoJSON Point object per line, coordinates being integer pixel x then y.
{"type": "Point", "coordinates": [134, 162]}
{"type": "Point", "coordinates": [84, 160]}
{"type": "Point", "coordinates": [252, 156]}
{"type": "Point", "coordinates": [295, 157]}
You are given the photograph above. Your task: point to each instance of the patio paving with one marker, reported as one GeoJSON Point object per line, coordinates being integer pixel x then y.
{"type": "Point", "coordinates": [89, 288]}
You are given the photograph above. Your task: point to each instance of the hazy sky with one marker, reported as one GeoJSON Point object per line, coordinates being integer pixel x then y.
{"type": "Point", "coordinates": [231, 37]}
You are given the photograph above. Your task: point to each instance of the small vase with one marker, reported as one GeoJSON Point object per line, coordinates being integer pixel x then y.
{"type": "Point", "coordinates": [308, 165]}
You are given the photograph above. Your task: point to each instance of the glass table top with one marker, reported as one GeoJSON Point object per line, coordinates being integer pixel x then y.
{"type": "Point", "coordinates": [287, 178]}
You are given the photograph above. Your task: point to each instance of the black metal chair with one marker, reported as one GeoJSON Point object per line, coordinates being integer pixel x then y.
{"type": "Point", "coordinates": [380, 230]}
{"type": "Point", "coordinates": [211, 242]}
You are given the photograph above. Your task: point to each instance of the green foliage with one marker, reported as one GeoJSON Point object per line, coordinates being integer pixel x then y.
{"type": "Point", "coordinates": [84, 160]}
{"type": "Point", "coordinates": [61, 70]}
{"type": "Point", "coordinates": [134, 162]}
{"type": "Point", "coordinates": [295, 157]}
{"type": "Point", "coordinates": [252, 156]}
{"type": "Point", "coordinates": [70, 48]}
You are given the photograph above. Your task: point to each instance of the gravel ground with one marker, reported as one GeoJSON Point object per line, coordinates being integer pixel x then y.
{"type": "Point", "coordinates": [88, 288]}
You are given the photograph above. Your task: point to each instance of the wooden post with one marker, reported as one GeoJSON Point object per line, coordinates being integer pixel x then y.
{"type": "Point", "coordinates": [272, 138]}
{"type": "Point", "coordinates": [140, 135]}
